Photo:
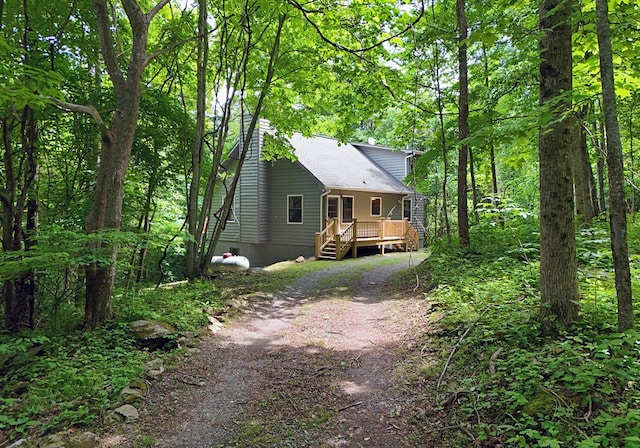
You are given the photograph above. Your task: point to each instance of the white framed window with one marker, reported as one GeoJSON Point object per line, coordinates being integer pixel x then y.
{"type": "Point", "coordinates": [232, 217]}
{"type": "Point", "coordinates": [294, 209]}
{"type": "Point", "coordinates": [376, 206]}
{"type": "Point", "coordinates": [333, 206]}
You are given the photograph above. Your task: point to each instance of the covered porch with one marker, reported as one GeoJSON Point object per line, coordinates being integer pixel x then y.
{"type": "Point", "coordinates": [335, 241]}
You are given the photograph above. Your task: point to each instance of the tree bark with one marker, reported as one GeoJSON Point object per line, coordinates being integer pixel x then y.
{"type": "Point", "coordinates": [617, 204]}
{"type": "Point", "coordinates": [463, 126]}
{"type": "Point", "coordinates": [558, 270]}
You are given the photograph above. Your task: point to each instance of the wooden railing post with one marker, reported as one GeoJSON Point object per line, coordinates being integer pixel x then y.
{"type": "Point", "coordinates": [318, 244]}
{"type": "Point", "coordinates": [354, 241]}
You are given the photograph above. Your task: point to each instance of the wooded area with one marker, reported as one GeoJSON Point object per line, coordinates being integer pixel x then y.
{"type": "Point", "coordinates": [117, 115]}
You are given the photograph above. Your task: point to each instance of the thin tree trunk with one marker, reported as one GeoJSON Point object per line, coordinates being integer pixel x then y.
{"type": "Point", "coordinates": [463, 126]}
{"type": "Point", "coordinates": [617, 204]}
{"type": "Point", "coordinates": [581, 173]}
{"type": "Point", "coordinates": [443, 137]}
{"type": "Point", "coordinates": [558, 270]}
{"type": "Point", "coordinates": [248, 135]}
{"type": "Point", "coordinates": [474, 189]}
{"type": "Point", "coordinates": [602, 202]}
{"type": "Point", "coordinates": [192, 247]}
{"type": "Point", "coordinates": [633, 169]}
{"type": "Point", "coordinates": [492, 155]}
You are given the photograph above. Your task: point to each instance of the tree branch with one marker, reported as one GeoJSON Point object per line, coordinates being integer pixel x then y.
{"type": "Point", "coordinates": [85, 109]}
{"type": "Point", "coordinates": [107, 45]}
{"type": "Point", "coordinates": [356, 51]}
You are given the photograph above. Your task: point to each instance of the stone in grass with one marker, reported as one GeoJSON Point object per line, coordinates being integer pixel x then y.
{"type": "Point", "coordinates": [129, 412]}
{"type": "Point", "coordinates": [152, 334]}
{"type": "Point", "coordinates": [85, 439]}
{"type": "Point", "coordinates": [153, 369]}
{"type": "Point", "coordinates": [130, 395]}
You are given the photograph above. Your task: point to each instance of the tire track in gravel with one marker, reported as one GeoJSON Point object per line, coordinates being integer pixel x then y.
{"type": "Point", "coordinates": [314, 367]}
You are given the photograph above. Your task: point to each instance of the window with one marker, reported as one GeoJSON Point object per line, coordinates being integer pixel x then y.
{"type": "Point", "coordinates": [294, 208]}
{"type": "Point", "coordinates": [347, 208]}
{"type": "Point", "coordinates": [410, 164]}
{"type": "Point", "coordinates": [332, 206]}
{"type": "Point", "coordinates": [406, 209]}
{"type": "Point", "coordinates": [376, 206]}
{"type": "Point", "coordinates": [231, 217]}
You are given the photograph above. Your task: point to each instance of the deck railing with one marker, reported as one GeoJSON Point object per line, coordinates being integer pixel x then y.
{"type": "Point", "coordinates": [365, 233]}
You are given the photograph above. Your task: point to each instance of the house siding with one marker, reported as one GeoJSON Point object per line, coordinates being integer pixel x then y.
{"type": "Point", "coordinates": [390, 160]}
{"type": "Point", "coordinates": [288, 178]}
{"type": "Point", "coordinates": [252, 188]}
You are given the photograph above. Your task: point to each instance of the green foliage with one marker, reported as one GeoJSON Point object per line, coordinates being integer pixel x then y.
{"type": "Point", "coordinates": [578, 390]}
{"type": "Point", "coordinates": [62, 381]}
{"type": "Point", "coordinates": [181, 306]}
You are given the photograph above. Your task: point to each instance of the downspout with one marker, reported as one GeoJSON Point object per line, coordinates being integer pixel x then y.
{"type": "Point", "coordinates": [325, 193]}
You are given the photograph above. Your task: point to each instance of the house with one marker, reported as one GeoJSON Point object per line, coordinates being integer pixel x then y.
{"type": "Point", "coordinates": [334, 199]}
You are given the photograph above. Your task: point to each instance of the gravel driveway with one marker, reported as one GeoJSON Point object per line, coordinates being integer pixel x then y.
{"type": "Point", "coordinates": [314, 367]}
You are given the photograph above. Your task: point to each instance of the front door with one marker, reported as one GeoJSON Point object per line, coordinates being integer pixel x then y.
{"type": "Point", "coordinates": [347, 209]}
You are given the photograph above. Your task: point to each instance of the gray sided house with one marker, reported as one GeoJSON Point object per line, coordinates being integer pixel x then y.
{"type": "Point", "coordinates": [334, 199]}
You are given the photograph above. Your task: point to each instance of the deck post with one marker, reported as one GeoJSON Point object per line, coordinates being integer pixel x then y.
{"type": "Point", "coordinates": [318, 244]}
{"type": "Point", "coordinates": [355, 238]}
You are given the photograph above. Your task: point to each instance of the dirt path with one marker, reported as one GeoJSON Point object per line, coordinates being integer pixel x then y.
{"type": "Point", "coordinates": [315, 367]}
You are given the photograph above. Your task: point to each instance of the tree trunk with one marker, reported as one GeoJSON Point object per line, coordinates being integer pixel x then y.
{"type": "Point", "coordinates": [443, 136]}
{"type": "Point", "coordinates": [247, 136]}
{"type": "Point", "coordinates": [192, 247]}
{"type": "Point", "coordinates": [558, 271]}
{"type": "Point", "coordinates": [602, 202]}
{"type": "Point", "coordinates": [581, 179]}
{"type": "Point", "coordinates": [117, 141]}
{"type": "Point", "coordinates": [463, 126]}
{"type": "Point", "coordinates": [617, 204]}
{"type": "Point", "coordinates": [632, 162]}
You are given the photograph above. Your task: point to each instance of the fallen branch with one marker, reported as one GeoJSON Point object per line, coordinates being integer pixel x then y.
{"type": "Point", "coordinates": [492, 361]}
{"type": "Point", "coordinates": [459, 343]}
{"type": "Point", "coordinates": [290, 401]}
{"type": "Point", "coordinates": [349, 406]}
{"type": "Point", "coordinates": [355, 361]}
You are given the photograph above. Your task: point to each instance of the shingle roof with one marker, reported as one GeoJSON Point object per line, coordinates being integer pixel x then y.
{"type": "Point", "coordinates": [343, 166]}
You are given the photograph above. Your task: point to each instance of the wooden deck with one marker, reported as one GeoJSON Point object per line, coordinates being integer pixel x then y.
{"type": "Point", "coordinates": [334, 242]}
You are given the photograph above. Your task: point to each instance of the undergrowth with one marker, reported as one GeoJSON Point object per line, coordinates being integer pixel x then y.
{"type": "Point", "coordinates": [497, 381]}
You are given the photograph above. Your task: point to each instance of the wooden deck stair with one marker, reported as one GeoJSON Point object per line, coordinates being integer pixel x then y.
{"type": "Point", "coordinates": [328, 252]}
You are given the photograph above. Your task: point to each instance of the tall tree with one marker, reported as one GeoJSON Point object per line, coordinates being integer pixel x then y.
{"type": "Point", "coordinates": [198, 143]}
{"type": "Point", "coordinates": [116, 140]}
{"type": "Point", "coordinates": [463, 125]}
{"type": "Point", "coordinates": [617, 204]}
{"type": "Point", "coordinates": [558, 270]}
